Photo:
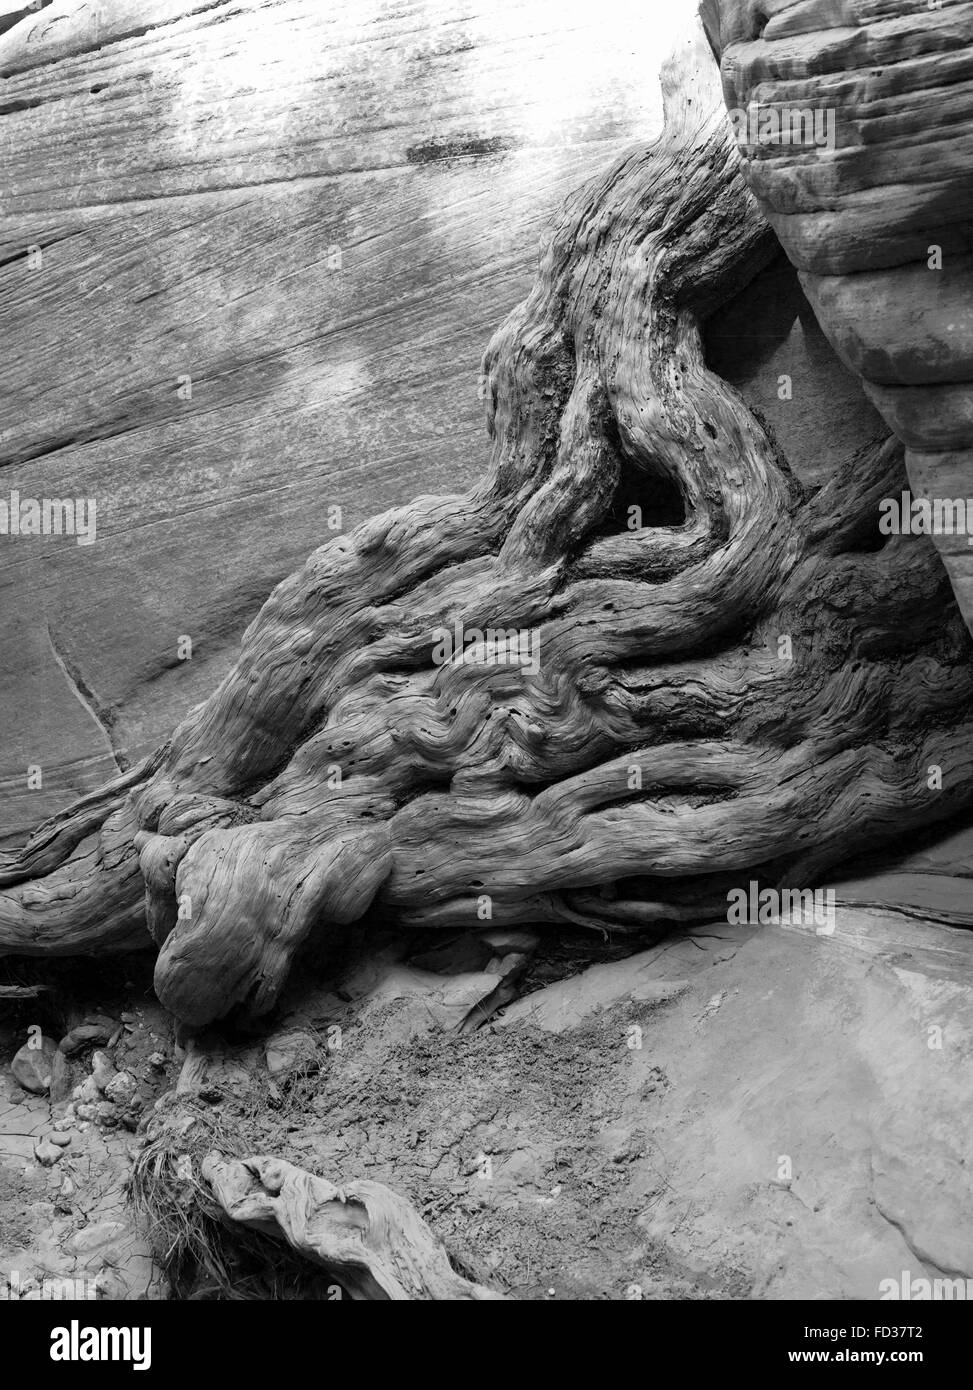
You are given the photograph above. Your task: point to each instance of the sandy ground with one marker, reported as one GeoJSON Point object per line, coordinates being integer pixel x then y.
{"type": "Point", "coordinates": [738, 1112]}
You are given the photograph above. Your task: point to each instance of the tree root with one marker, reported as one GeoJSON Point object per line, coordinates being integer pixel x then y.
{"type": "Point", "coordinates": [219, 1219]}
{"type": "Point", "coordinates": [747, 683]}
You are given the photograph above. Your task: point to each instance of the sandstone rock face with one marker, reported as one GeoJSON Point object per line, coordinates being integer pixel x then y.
{"type": "Point", "coordinates": [269, 243]}
{"type": "Point", "coordinates": [873, 203]}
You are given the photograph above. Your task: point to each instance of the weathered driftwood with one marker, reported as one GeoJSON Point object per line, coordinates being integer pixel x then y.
{"type": "Point", "coordinates": [876, 219]}
{"type": "Point", "coordinates": [751, 684]}
{"type": "Point", "coordinates": [199, 1194]}
{"type": "Point", "coordinates": [374, 1242]}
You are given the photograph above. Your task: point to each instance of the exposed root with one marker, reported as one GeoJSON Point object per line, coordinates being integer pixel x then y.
{"type": "Point", "coordinates": [229, 1226]}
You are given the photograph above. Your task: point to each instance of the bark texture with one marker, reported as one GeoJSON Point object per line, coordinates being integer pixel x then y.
{"type": "Point", "coordinates": [751, 683]}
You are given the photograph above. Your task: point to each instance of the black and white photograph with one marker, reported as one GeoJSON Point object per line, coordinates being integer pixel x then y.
{"type": "Point", "coordinates": [486, 593]}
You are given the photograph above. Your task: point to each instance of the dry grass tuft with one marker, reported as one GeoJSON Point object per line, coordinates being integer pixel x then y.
{"type": "Point", "coordinates": [203, 1254]}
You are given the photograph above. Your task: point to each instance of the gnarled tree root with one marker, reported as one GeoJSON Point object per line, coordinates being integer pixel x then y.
{"type": "Point", "coordinates": [749, 683]}
{"type": "Point", "coordinates": [372, 1240]}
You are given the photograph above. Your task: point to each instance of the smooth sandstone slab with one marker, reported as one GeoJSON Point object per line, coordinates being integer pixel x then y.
{"type": "Point", "coordinates": [806, 1097]}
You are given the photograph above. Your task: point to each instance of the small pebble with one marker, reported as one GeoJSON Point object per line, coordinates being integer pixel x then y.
{"type": "Point", "coordinates": [47, 1153]}
{"type": "Point", "coordinates": [83, 1035]}
{"type": "Point", "coordinates": [121, 1088]}
{"type": "Point", "coordinates": [102, 1069]}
